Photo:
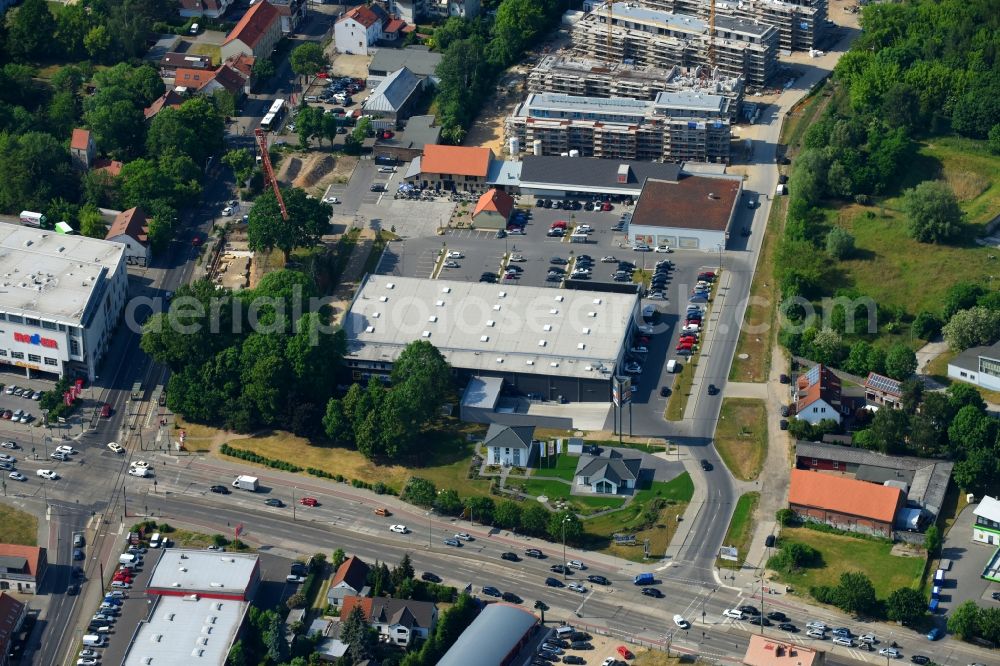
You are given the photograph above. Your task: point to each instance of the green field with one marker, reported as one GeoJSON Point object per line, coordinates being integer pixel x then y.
{"type": "Point", "coordinates": [564, 467]}
{"type": "Point", "coordinates": [17, 527]}
{"type": "Point", "coordinates": [741, 436]}
{"type": "Point", "coordinates": [842, 554]}
{"type": "Point", "coordinates": [740, 531]}
{"type": "Point", "coordinates": [559, 490]}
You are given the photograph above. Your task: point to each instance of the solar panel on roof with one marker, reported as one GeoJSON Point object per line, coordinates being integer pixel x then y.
{"type": "Point", "coordinates": [813, 375]}
{"type": "Point", "coordinates": [883, 383]}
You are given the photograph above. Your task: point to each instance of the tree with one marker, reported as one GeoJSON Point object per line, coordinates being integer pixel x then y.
{"type": "Point", "coordinates": [535, 519]}
{"type": "Point", "coordinates": [425, 376]}
{"type": "Point", "coordinates": [238, 655]}
{"type": "Point", "coordinates": [932, 540]}
{"type": "Point", "coordinates": [905, 605]}
{"type": "Point", "coordinates": [855, 594]}
{"type": "Point", "coordinates": [195, 129]}
{"type": "Point", "coordinates": [308, 219]}
{"type": "Point", "coordinates": [993, 139]}
{"type": "Point", "coordinates": [336, 425]}
{"type": "Point", "coordinates": [971, 328]}
{"type": "Point", "coordinates": [297, 600]}
{"type": "Point", "coordinates": [263, 69]}
{"type": "Point", "coordinates": [900, 362]}
{"type": "Point", "coordinates": [241, 162]}
{"type": "Point", "coordinates": [309, 123]}
{"type": "Point", "coordinates": [508, 514]}
{"type": "Point", "coordinates": [888, 430]}
{"type": "Point", "coordinates": [419, 491]}
{"type": "Point", "coordinates": [274, 639]}
{"type": "Point", "coordinates": [964, 620]}
{"type": "Point", "coordinates": [356, 633]}
{"type": "Point", "coordinates": [224, 102]}
{"type": "Point", "coordinates": [961, 395]}
{"type": "Point", "coordinates": [827, 347]}
{"type": "Point", "coordinates": [568, 521]}
{"type": "Point", "coordinates": [926, 326]}
{"type": "Point", "coordinates": [339, 556]}
{"type": "Point", "coordinates": [92, 223]}
{"type": "Point", "coordinates": [307, 59]}
{"type": "Point", "coordinates": [912, 391]}
{"type": "Point", "coordinates": [480, 509]}
{"type": "Point", "coordinates": [971, 429]}
{"type": "Point", "coordinates": [933, 212]}
{"type": "Point", "coordinates": [30, 28]}
{"type": "Point", "coordinates": [979, 473]}
{"type": "Point", "coordinates": [839, 243]}
{"type": "Point", "coordinates": [448, 502]}
{"type": "Point", "coordinates": [961, 296]}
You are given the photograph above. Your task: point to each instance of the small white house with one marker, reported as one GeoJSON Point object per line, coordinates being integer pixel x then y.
{"type": "Point", "coordinates": [819, 396]}
{"type": "Point", "coordinates": [131, 228]}
{"type": "Point", "coordinates": [608, 475]}
{"type": "Point", "coordinates": [358, 30]}
{"type": "Point", "coordinates": [509, 445]}
{"type": "Point", "coordinates": [398, 621]}
{"type": "Point", "coordinates": [986, 529]}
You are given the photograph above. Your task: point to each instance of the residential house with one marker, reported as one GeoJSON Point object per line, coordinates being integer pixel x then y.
{"type": "Point", "coordinates": [883, 391]}
{"type": "Point", "coordinates": [767, 651]}
{"type": "Point", "coordinates": [192, 78]}
{"type": "Point", "coordinates": [173, 61]}
{"type": "Point", "coordinates": [847, 504]}
{"type": "Point", "coordinates": [131, 228]}
{"type": "Point", "coordinates": [398, 621]}
{"type": "Point", "coordinates": [349, 580]}
{"type": "Point", "coordinates": [987, 526]}
{"type": "Point", "coordinates": [229, 79]}
{"type": "Point", "coordinates": [979, 366]}
{"type": "Point", "coordinates": [395, 98]}
{"type": "Point", "coordinates": [108, 166]}
{"type": "Point", "coordinates": [171, 98]}
{"type": "Point", "coordinates": [21, 567]}
{"type": "Point", "coordinates": [510, 446]}
{"type": "Point", "coordinates": [453, 168]}
{"type": "Point", "coordinates": [925, 480]}
{"type": "Point", "coordinates": [256, 34]}
{"type": "Point", "coordinates": [82, 149]}
{"type": "Point", "coordinates": [291, 12]}
{"type": "Point", "coordinates": [607, 475]}
{"type": "Point", "coordinates": [494, 638]}
{"type": "Point", "coordinates": [493, 209]}
{"type": "Point", "coordinates": [418, 59]}
{"type": "Point", "coordinates": [819, 397]}
{"type": "Point", "coordinates": [412, 10]}
{"type": "Point", "coordinates": [12, 614]}
{"type": "Point", "coordinates": [359, 29]}
{"type": "Point", "coordinates": [208, 8]}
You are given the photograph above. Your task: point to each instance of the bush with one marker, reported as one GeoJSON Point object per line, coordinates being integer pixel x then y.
{"type": "Point", "coordinates": [824, 594]}
{"type": "Point", "coordinates": [785, 517]}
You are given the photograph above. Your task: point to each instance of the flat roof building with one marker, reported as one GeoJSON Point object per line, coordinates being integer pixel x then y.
{"type": "Point", "coordinates": [555, 342]}
{"type": "Point", "coordinates": [61, 298]}
{"type": "Point", "coordinates": [418, 59]}
{"type": "Point", "coordinates": [206, 573]}
{"type": "Point", "coordinates": [654, 38]}
{"type": "Point", "coordinates": [673, 127]}
{"type": "Point", "coordinates": [767, 651]}
{"type": "Point", "coordinates": [693, 212]}
{"type": "Point", "coordinates": [187, 629]}
{"type": "Point", "coordinates": [979, 366]}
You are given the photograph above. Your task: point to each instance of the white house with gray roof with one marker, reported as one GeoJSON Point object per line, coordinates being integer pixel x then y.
{"type": "Point", "coordinates": [607, 475]}
{"type": "Point", "coordinates": [510, 446]}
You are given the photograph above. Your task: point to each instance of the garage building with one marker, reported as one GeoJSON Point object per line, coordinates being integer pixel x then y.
{"type": "Point", "coordinates": [60, 300]}
{"type": "Point", "coordinates": [693, 212]}
{"type": "Point", "coordinates": [555, 343]}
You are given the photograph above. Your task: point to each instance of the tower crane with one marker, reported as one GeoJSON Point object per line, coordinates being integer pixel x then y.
{"type": "Point", "coordinates": [269, 178]}
{"type": "Point", "coordinates": [711, 38]}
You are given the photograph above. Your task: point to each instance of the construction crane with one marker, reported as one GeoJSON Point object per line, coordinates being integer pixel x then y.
{"type": "Point", "coordinates": [711, 38]}
{"type": "Point", "coordinates": [611, 30]}
{"type": "Point", "coordinates": [269, 178]}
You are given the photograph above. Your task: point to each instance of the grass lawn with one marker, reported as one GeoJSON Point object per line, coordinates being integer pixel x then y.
{"type": "Point", "coordinates": [17, 527]}
{"type": "Point", "coordinates": [446, 464]}
{"type": "Point", "coordinates": [557, 490]}
{"type": "Point", "coordinates": [681, 390]}
{"type": "Point", "coordinates": [842, 554]}
{"type": "Point", "coordinates": [680, 489]}
{"type": "Point", "coordinates": [188, 539]}
{"type": "Point", "coordinates": [758, 329]}
{"type": "Point", "coordinates": [741, 436]}
{"type": "Point", "coordinates": [645, 657]}
{"type": "Point", "coordinates": [564, 467]}
{"type": "Point", "coordinates": [209, 50]}
{"type": "Point", "coordinates": [740, 530]}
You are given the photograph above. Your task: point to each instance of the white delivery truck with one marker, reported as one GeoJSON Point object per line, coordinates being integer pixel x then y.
{"type": "Point", "coordinates": [244, 482]}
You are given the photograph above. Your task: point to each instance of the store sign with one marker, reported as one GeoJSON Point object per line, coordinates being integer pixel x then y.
{"type": "Point", "coordinates": [35, 339]}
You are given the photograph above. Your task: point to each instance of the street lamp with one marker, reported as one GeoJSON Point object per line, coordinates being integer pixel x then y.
{"type": "Point", "coordinates": [719, 245]}
{"type": "Point", "coordinates": [429, 514]}
{"type": "Point", "coordinates": [565, 520]}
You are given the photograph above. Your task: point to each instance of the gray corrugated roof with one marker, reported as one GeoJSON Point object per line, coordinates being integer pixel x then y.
{"type": "Point", "coordinates": [13, 562]}
{"type": "Point", "coordinates": [589, 171]}
{"type": "Point", "coordinates": [418, 59]}
{"type": "Point", "coordinates": [491, 637]}
{"type": "Point", "coordinates": [969, 359]}
{"type": "Point", "coordinates": [514, 437]}
{"type": "Point", "coordinates": [392, 93]}
{"type": "Point", "coordinates": [420, 131]}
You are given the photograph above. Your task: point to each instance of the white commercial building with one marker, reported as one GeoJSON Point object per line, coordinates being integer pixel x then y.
{"type": "Point", "coordinates": [693, 212]}
{"type": "Point", "coordinates": [61, 298]}
{"type": "Point", "coordinates": [986, 529]}
{"type": "Point", "coordinates": [979, 366]}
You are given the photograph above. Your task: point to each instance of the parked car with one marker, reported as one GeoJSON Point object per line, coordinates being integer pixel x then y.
{"type": "Point", "coordinates": [430, 577]}
{"type": "Point", "coordinates": [534, 552]}
{"type": "Point", "coordinates": [624, 652]}
{"type": "Point", "coordinates": [511, 598]}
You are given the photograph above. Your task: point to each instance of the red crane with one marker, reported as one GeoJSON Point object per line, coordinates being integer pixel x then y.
{"type": "Point", "coordinates": [269, 178]}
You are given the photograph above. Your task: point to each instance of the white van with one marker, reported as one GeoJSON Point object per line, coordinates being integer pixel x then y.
{"type": "Point", "coordinates": [194, 28]}
{"type": "Point", "coordinates": [128, 558]}
{"type": "Point", "coordinates": [671, 365]}
{"type": "Point", "coordinates": [564, 631]}
{"type": "Point", "coordinates": [154, 541]}
{"type": "Point", "coordinates": [93, 640]}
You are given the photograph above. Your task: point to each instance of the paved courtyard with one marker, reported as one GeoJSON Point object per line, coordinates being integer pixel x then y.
{"type": "Point", "coordinates": [968, 560]}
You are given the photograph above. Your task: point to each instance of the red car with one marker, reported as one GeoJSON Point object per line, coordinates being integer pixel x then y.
{"type": "Point", "coordinates": [644, 339]}
{"type": "Point", "coordinates": [322, 75]}
{"type": "Point", "coordinates": [7, 414]}
{"type": "Point", "coordinates": [308, 501]}
{"type": "Point", "coordinates": [558, 224]}
{"type": "Point", "coordinates": [122, 578]}
{"type": "Point", "coordinates": [196, 241]}
{"type": "Point", "coordinates": [625, 653]}
{"type": "Point", "coordinates": [688, 338]}
{"type": "Point", "coordinates": [684, 345]}
{"type": "Point", "coordinates": [606, 206]}
{"type": "Point", "coordinates": [105, 411]}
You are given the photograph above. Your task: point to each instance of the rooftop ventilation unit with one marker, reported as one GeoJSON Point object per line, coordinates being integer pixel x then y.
{"type": "Point", "coordinates": [432, 319]}
{"type": "Point", "coordinates": [484, 338]}
{"type": "Point", "coordinates": [390, 285]}
{"type": "Point", "coordinates": [446, 290]}
{"type": "Point", "coordinates": [440, 304]}
{"type": "Point", "coordinates": [369, 329]}
{"type": "Point", "coordinates": [426, 334]}
{"type": "Point", "coordinates": [541, 343]}
{"type": "Point", "coordinates": [384, 299]}
{"type": "Point", "coordinates": [490, 323]}
{"type": "Point", "coordinates": [547, 327]}
{"type": "Point", "coordinates": [376, 315]}
{"type": "Point", "coordinates": [502, 294]}
{"type": "Point", "coordinates": [529, 362]}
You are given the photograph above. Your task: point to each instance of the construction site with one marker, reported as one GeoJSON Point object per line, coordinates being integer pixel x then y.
{"type": "Point", "coordinates": [644, 37]}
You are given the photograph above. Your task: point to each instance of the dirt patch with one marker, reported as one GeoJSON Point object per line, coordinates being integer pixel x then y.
{"type": "Point", "coordinates": [349, 65]}
{"type": "Point", "coordinates": [316, 167]}
{"type": "Point", "coordinates": [289, 169]}
{"type": "Point", "coordinates": [966, 184]}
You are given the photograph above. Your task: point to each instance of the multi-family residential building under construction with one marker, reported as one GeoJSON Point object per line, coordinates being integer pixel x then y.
{"type": "Point", "coordinates": [588, 77]}
{"type": "Point", "coordinates": [672, 127]}
{"type": "Point", "coordinates": [655, 38]}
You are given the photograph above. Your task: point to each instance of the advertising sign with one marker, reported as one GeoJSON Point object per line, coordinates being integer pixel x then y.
{"type": "Point", "coordinates": [621, 393]}
{"type": "Point", "coordinates": [729, 553]}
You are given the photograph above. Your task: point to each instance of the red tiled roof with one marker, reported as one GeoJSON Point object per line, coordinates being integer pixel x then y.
{"type": "Point", "coordinates": [192, 78]}
{"type": "Point", "coordinates": [766, 651]}
{"type": "Point", "coordinates": [456, 160]}
{"type": "Point", "coordinates": [80, 140]}
{"type": "Point", "coordinates": [350, 602]}
{"type": "Point", "coordinates": [242, 63]}
{"type": "Point", "coordinates": [113, 167]}
{"type": "Point", "coordinates": [692, 202]}
{"type": "Point", "coordinates": [33, 554]}
{"type": "Point", "coordinates": [132, 222]}
{"type": "Point", "coordinates": [230, 79]}
{"type": "Point", "coordinates": [843, 495]}
{"type": "Point", "coordinates": [362, 15]}
{"type": "Point", "coordinates": [495, 200]}
{"type": "Point", "coordinates": [395, 25]}
{"type": "Point", "coordinates": [826, 388]}
{"type": "Point", "coordinates": [254, 24]}
{"type": "Point", "coordinates": [352, 571]}
{"type": "Point", "coordinates": [169, 98]}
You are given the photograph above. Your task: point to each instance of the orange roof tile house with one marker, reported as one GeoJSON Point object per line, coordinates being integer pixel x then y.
{"type": "Point", "coordinates": [454, 168]}
{"type": "Point", "coordinates": [493, 209]}
{"type": "Point", "coordinates": [847, 504]}
{"type": "Point", "coordinates": [21, 567]}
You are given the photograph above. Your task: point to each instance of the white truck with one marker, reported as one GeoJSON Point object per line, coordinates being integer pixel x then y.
{"type": "Point", "coordinates": [244, 482]}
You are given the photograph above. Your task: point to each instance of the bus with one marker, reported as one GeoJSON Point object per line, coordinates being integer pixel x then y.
{"type": "Point", "coordinates": [137, 391]}
{"type": "Point", "coordinates": [277, 107]}
{"type": "Point", "coordinates": [268, 122]}
{"type": "Point", "coordinates": [32, 219]}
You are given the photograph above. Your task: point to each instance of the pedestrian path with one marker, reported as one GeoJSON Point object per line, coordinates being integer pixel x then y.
{"type": "Point", "coordinates": [354, 271]}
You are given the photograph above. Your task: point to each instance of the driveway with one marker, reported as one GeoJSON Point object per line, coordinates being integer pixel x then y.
{"type": "Point", "coordinates": [968, 558]}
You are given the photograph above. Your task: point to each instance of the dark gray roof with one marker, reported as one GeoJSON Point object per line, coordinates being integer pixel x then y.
{"type": "Point", "coordinates": [392, 93]}
{"type": "Point", "coordinates": [614, 467]}
{"type": "Point", "coordinates": [420, 131]}
{"type": "Point", "coordinates": [969, 359]}
{"type": "Point", "coordinates": [418, 59]}
{"type": "Point", "coordinates": [406, 612]}
{"type": "Point", "coordinates": [592, 172]}
{"type": "Point", "coordinates": [13, 563]}
{"type": "Point", "coordinates": [928, 479]}
{"type": "Point", "coordinates": [513, 437]}
{"type": "Point", "coordinates": [491, 637]}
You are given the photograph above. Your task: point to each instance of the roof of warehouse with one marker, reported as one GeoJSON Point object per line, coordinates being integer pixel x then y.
{"type": "Point", "coordinates": [203, 571]}
{"type": "Point", "coordinates": [693, 202]}
{"type": "Point", "coordinates": [418, 59]}
{"type": "Point", "coordinates": [186, 630]}
{"type": "Point", "coordinates": [476, 325]}
{"type": "Point", "coordinates": [592, 172]}
{"type": "Point", "coordinates": [847, 496]}
{"type": "Point", "coordinates": [52, 275]}
{"type": "Point", "coordinates": [490, 637]}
